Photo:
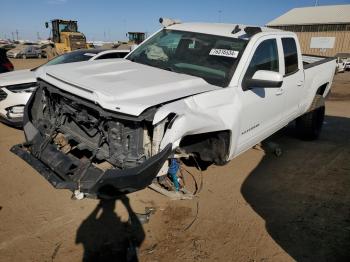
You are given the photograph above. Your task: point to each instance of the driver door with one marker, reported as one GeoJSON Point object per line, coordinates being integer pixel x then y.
{"type": "Point", "coordinates": [262, 108]}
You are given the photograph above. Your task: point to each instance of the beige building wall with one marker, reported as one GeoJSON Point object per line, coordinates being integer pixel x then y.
{"type": "Point", "coordinates": [341, 45]}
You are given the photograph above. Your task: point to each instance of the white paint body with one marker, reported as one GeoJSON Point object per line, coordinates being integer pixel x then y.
{"type": "Point", "coordinates": [347, 65]}
{"type": "Point", "coordinates": [130, 88]}
{"type": "Point", "coordinates": [27, 76]}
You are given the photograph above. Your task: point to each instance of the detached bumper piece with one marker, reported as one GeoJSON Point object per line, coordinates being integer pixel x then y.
{"type": "Point", "coordinates": [56, 167]}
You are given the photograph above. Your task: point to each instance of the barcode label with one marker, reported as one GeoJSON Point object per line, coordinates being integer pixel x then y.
{"type": "Point", "coordinates": [224, 52]}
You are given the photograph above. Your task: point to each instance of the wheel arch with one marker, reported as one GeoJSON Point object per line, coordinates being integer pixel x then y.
{"type": "Point", "coordinates": [322, 89]}
{"type": "Point", "coordinates": [209, 147]}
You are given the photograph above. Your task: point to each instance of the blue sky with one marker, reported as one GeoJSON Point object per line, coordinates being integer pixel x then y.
{"type": "Point", "coordinates": [111, 19]}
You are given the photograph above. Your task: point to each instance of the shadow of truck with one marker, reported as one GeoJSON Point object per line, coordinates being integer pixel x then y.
{"type": "Point", "coordinates": [306, 202]}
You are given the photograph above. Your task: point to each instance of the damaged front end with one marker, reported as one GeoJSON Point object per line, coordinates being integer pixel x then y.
{"type": "Point", "coordinates": [77, 145]}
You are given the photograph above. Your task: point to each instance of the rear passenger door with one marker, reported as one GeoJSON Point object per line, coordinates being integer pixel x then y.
{"type": "Point", "coordinates": [293, 78]}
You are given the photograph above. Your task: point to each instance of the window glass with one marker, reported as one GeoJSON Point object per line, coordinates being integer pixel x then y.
{"type": "Point", "coordinates": [290, 55]}
{"type": "Point", "coordinates": [75, 56]}
{"type": "Point", "coordinates": [113, 55]}
{"type": "Point", "coordinates": [68, 27]}
{"type": "Point", "coordinates": [209, 57]}
{"type": "Point", "coordinates": [265, 58]}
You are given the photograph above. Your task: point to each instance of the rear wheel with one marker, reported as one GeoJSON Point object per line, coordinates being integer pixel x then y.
{"type": "Point", "coordinates": [24, 56]}
{"type": "Point", "coordinates": [310, 124]}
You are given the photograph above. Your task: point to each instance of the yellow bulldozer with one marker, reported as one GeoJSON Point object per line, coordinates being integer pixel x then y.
{"type": "Point", "coordinates": [136, 37]}
{"type": "Point", "coordinates": [65, 37]}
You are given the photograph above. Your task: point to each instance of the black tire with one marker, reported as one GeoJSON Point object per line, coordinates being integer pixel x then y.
{"type": "Point", "coordinates": [310, 124]}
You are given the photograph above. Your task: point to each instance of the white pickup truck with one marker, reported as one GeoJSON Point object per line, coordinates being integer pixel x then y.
{"type": "Point", "coordinates": [210, 91]}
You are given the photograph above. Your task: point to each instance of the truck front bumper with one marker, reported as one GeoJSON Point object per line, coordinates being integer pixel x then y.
{"type": "Point", "coordinates": [93, 182]}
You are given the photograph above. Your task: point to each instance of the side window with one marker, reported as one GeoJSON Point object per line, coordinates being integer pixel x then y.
{"type": "Point", "coordinates": [112, 55]}
{"type": "Point", "coordinates": [264, 58]}
{"type": "Point", "coordinates": [290, 55]}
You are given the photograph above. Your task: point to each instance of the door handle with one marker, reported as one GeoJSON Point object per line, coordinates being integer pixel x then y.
{"type": "Point", "coordinates": [300, 83]}
{"type": "Point", "coordinates": [280, 91]}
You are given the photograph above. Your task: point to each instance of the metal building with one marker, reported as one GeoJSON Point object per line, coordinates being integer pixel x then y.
{"type": "Point", "coordinates": [322, 30]}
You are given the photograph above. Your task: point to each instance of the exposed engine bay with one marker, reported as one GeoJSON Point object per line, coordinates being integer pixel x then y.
{"type": "Point", "coordinates": [82, 129]}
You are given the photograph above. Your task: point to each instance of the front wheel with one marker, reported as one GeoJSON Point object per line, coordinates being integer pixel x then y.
{"type": "Point", "coordinates": [310, 124]}
{"type": "Point", "coordinates": [24, 56]}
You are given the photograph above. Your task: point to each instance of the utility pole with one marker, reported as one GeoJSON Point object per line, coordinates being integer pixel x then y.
{"type": "Point", "coordinates": [38, 36]}
{"type": "Point", "coordinates": [220, 11]}
{"type": "Point", "coordinates": [124, 27]}
{"type": "Point", "coordinates": [17, 34]}
{"type": "Point", "coordinates": [13, 36]}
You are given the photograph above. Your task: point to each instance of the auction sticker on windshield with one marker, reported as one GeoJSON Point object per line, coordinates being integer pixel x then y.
{"type": "Point", "coordinates": [224, 52]}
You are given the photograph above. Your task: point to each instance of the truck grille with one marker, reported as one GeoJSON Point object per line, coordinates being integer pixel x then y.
{"type": "Point", "coordinates": [3, 95]}
{"type": "Point", "coordinates": [88, 127]}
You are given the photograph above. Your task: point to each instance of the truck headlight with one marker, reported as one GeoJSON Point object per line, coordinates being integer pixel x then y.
{"type": "Point", "coordinates": [22, 88]}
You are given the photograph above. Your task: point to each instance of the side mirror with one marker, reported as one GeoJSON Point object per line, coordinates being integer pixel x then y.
{"type": "Point", "coordinates": [263, 79]}
{"type": "Point", "coordinates": [46, 24]}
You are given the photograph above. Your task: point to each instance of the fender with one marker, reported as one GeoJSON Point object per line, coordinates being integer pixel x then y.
{"type": "Point", "coordinates": [203, 113]}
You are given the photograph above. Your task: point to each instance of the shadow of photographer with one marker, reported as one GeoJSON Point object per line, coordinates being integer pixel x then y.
{"type": "Point", "coordinates": [105, 237]}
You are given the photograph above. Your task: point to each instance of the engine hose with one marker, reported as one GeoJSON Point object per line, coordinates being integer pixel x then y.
{"type": "Point", "coordinates": [173, 169]}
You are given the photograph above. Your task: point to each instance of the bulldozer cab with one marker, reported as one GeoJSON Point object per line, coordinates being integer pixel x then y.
{"type": "Point", "coordinates": [136, 37]}
{"type": "Point", "coordinates": [59, 26]}
{"type": "Point", "coordinates": [65, 36]}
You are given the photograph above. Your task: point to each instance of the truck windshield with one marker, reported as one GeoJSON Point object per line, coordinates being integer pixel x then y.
{"type": "Point", "coordinates": [210, 57]}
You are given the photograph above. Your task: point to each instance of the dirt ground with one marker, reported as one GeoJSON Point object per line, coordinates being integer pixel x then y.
{"type": "Point", "coordinates": [256, 208]}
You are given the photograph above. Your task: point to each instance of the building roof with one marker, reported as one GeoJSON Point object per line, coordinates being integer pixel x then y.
{"type": "Point", "coordinates": [328, 14]}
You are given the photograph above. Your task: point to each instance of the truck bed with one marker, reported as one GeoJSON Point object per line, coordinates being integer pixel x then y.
{"type": "Point", "coordinates": [318, 72]}
{"type": "Point", "coordinates": [311, 61]}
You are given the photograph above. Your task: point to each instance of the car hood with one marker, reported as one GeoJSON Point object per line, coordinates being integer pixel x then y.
{"type": "Point", "coordinates": [123, 86]}
{"type": "Point", "coordinates": [17, 77]}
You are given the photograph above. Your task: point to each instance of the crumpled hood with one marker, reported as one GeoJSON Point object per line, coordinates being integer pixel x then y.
{"type": "Point", "coordinates": [121, 85]}
{"type": "Point", "coordinates": [17, 77]}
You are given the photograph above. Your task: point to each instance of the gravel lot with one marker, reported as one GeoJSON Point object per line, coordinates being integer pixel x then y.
{"type": "Point", "coordinates": [256, 208]}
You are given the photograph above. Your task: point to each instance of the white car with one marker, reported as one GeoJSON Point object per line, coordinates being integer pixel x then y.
{"type": "Point", "coordinates": [347, 65]}
{"type": "Point", "coordinates": [16, 87]}
{"type": "Point", "coordinates": [192, 90]}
